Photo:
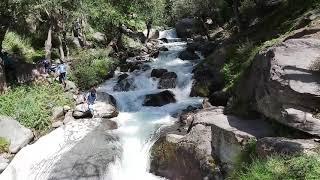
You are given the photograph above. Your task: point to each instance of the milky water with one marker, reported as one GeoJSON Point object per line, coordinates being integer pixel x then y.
{"type": "Point", "coordinates": [138, 125]}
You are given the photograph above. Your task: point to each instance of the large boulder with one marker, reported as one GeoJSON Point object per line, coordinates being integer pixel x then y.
{"type": "Point", "coordinates": [185, 157]}
{"type": "Point", "coordinates": [283, 146]}
{"type": "Point", "coordinates": [189, 54]}
{"type": "Point", "coordinates": [81, 111]}
{"type": "Point", "coordinates": [168, 80]}
{"type": "Point", "coordinates": [57, 113]}
{"type": "Point", "coordinates": [157, 73]}
{"type": "Point", "coordinates": [153, 34]}
{"type": "Point", "coordinates": [188, 27]}
{"type": "Point", "coordinates": [159, 99]}
{"type": "Point", "coordinates": [71, 87]}
{"type": "Point", "coordinates": [283, 84]}
{"type": "Point", "coordinates": [17, 135]}
{"type": "Point", "coordinates": [230, 134]}
{"type": "Point", "coordinates": [104, 110]}
{"type": "Point", "coordinates": [79, 150]}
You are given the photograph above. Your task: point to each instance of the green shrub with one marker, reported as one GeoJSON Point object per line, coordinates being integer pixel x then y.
{"type": "Point", "coordinates": [4, 145]}
{"type": "Point", "coordinates": [31, 105]}
{"type": "Point", "coordinates": [91, 68]}
{"type": "Point", "coordinates": [279, 167]}
{"type": "Point", "coordinates": [16, 44]}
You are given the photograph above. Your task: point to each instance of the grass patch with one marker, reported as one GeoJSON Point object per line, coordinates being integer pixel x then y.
{"type": "Point", "coordinates": [21, 46]}
{"type": "Point", "coordinates": [91, 68]}
{"type": "Point", "coordinates": [4, 145]}
{"type": "Point", "coordinates": [302, 167]}
{"type": "Point", "coordinates": [31, 105]}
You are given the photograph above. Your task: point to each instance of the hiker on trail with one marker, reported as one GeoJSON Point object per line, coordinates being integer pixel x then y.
{"type": "Point", "coordinates": [62, 71]}
{"type": "Point", "coordinates": [91, 99]}
{"type": "Point", "coordinates": [149, 24]}
{"type": "Point", "coordinates": [46, 65]}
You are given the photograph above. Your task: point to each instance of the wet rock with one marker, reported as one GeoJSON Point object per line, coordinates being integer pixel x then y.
{"type": "Point", "coordinates": [155, 54]}
{"type": "Point", "coordinates": [159, 99]}
{"type": "Point", "coordinates": [157, 73]}
{"type": "Point", "coordinates": [164, 40]}
{"type": "Point", "coordinates": [189, 54]}
{"type": "Point", "coordinates": [219, 98]}
{"type": "Point", "coordinates": [106, 98]}
{"type": "Point", "coordinates": [188, 27]}
{"type": "Point", "coordinates": [283, 86]}
{"type": "Point", "coordinates": [163, 48]}
{"type": "Point", "coordinates": [80, 149]}
{"type": "Point", "coordinates": [168, 80]}
{"type": "Point", "coordinates": [17, 135]}
{"type": "Point", "coordinates": [122, 77]}
{"type": "Point", "coordinates": [185, 157]}
{"type": "Point", "coordinates": [283, 146]}
{"type": "Point", "coordinates": [125, 85]}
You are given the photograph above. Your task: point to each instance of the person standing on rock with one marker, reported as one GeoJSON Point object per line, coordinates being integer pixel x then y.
{"type": "Point", "coordinates": [91, 99]}
{"type": "Point", "coordinates": [62, 71]}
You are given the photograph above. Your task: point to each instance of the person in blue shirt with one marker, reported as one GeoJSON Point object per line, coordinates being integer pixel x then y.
{"type": "Point", "coordinates": [62, 72]}
{"type": "Point", "coordinates": [91, 99]}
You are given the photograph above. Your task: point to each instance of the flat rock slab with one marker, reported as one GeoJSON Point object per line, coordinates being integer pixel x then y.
{"type": "Point", "coordinates": [3, 163]}
{"type": "Point", "coordinates": [17, 135]}
{"type": "Point", "coordinates": [79, 150]}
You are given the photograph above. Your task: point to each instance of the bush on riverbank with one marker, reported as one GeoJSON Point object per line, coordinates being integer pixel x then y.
{"type": "Point", "coordinates": [31, 105]}
{"type": "Point", "coordinates": [280, 167]}
{"type": "Point", "coordinates": [3, 145]}
{"type": "Point", "coordinates": [91, 68]}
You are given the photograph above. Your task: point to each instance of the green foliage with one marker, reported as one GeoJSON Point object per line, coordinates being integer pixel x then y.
{"type": "Point", "coordinates": [21, 46]}
{"type": "Point", "coordinates": [31, 105]}
{"type": "Point", "coordinates": [4, 145]}
{"type": "Point", "coordinates": [91, 68]}
{"type": "Point", "coordinates": [239, 58]}
{"type": "Point", "coordinates": [282, 168]}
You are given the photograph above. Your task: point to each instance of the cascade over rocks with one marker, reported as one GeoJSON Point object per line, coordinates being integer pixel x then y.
{"type": "Point", "coordinates": [159, 99]}
{"type": "Point", "coordinates": [282, 84]}
{"type": "Point", "coordinates": [168, 80]}
{"type": "Point", "coordinates": [17, 135]}
{"type": "Point", "coordinates": [126, 84]}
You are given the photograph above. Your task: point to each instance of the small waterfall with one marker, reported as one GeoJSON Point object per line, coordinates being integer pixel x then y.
{"type": "Point", "coordinates": [138, 124]}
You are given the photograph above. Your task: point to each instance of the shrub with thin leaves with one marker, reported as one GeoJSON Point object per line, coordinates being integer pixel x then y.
{"type": "Point", "coordinates": [31, 105]}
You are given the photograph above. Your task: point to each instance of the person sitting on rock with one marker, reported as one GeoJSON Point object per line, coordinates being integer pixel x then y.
{"type": "Point", "coordinates": [91, 99]}
{"type": "Point", "coordinates": [62, 71]}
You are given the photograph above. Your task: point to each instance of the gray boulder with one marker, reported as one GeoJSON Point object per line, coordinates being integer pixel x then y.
{"type": "Point", "coordinates": [283, 146]}
{"type": "Point", "coordinates": [57, 113]}
{"type": "Point", "coordinates": [126, 84]}
{"type": "Point", "coordinates": [189, 54]}
{"type": "Point", "coordinates": [71, 87]}
{"type": "Point", "coordinates": [283, 85]}
{"type": "Point", "coordinates": [159, 99]}
{"type": "Point", "coordinates": [17, 135]}
{"type": "Point", "coordinates": [81, 111]}
{"type": "Point", "coordinates": [168, 80]}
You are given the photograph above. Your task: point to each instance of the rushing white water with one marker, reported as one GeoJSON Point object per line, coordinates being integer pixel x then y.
{"type": "Point", "coordinates": [138, 125]}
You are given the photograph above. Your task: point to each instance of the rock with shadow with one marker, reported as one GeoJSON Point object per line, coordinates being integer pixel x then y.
{"type": "Point", "coordinates": [159, 99]}
{"type": "Point", "coordinates": [189, 54]}
{"type": "Point", "coordinates": [168, 80]}
{"type": "Point", "coordinates": [283, 85]}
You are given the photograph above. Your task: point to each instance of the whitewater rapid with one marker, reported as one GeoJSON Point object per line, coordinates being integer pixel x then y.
{"type": "Point", "coordinates": [139, 126]}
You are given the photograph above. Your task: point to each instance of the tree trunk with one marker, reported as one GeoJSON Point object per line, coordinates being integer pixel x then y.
{"type": "Point", "coordinates": [48, 44]}
{"type": "Point", "coordinates": [3, 31]}
{"type": "Point", "coordinates": [3, 81]}
{"type": "Point", "coordinates": [236, 5]}
{"type": "Point", "coordinates": [61, 48]}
